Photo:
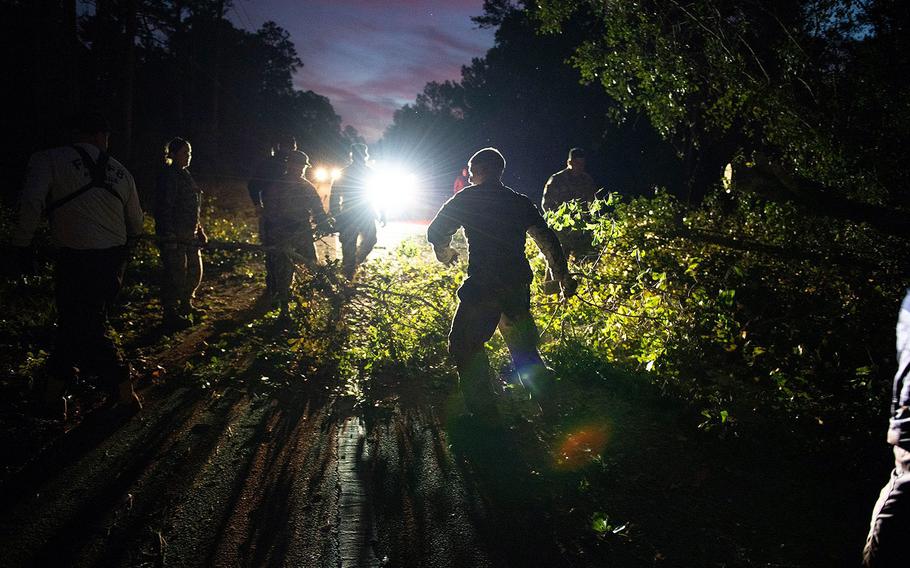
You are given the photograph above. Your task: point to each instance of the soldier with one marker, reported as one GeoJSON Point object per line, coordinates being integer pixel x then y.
{"type": "Point", "coordinates": [354, 214]}
{"type": "Point", "coordinates": [568, 184]}
{"type": "Point", "coordinates": [268, 171]}
{"type": "Point", "coordinates": [91, 202]}
{"type": "Point", "coordinates": [496, 292]}
{"type": "Point", "coordinates": [288, 205]}
{"type": "Point", "coordinates": [572, 183]}
{"type": "Point", "coordinates": [180, 235]}
{"type": "Point", "coordinates": [886, 545]}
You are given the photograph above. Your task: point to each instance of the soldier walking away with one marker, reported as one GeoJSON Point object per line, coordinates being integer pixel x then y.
{"type": "Point", "coordinates": [91, 202]}
{"type": "Point", "coordinates": [268, 171]}
{"type": "Point", "coordinates": [289, 204]}
{"type": "Point", "coordinates": [496, 292]}
{"type": "Point", "coordinates": [180, 235]}
{"type": "Point", "coordinates": [886, 545]}
{"type": "Point", "coordinates": [354, 214]}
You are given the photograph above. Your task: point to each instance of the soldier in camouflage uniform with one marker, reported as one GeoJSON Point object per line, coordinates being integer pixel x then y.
{"type": "Point", "coordinates": [180, 235]}
{"type": "Point", "coordinates": [354, 213]}
{"type": "Point", "coordinates": [289, 204]}
{"type": "Point", "coordinates": [268, 171]}
{"type": "Point", "coordinates": [572, 183]}
{"type": "Point", "coordinates": [496, 292]}
{"type": "Point", "coordinates": [568, 184]}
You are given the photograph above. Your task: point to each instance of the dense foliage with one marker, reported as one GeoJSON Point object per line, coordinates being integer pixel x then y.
{"type": "Point", "coordinates": [767, 270]}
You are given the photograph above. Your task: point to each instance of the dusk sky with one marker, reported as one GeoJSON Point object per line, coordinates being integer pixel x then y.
{"type": "Point", "coordinates": [372, 56]}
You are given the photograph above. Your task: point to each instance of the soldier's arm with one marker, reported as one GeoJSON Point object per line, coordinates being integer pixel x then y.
{"type": "Point", "coordinates": [441, 229]}
{"type": "Point", "coordinates": [314, 204]}
{"type": "Point", "coordinates": [550, 194]}
{"type": "Point", "coordinates": [549, 245]}
{"type": "Point", "coordinates": [132, 209]}
{"type": "Point", "coordinates": [34, 195]}
{"type": "Point", "coordinates": [256, 185]}
{"type": "Point", "coordinates": [165, 194]}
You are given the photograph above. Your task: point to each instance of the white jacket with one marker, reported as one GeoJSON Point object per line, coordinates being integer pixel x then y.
{"type": "Point", "coordinates": [94, 220]}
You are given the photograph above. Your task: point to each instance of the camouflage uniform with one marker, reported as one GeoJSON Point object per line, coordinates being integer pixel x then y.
{"type": "Point", "coordinates": [288, 206]}
{"type": "Point", "coordinates": [354, 215]}
{"type": "Point", "coordinates": [177, 204]}
{"type": "Point", "coordinates": [496, 292]}
{"type": "Point", "coordinates": [267, 172]}
{"type": "Point", "coordinates": [567, 185]}
{"type": "Point", "coordinates": [886, 545]}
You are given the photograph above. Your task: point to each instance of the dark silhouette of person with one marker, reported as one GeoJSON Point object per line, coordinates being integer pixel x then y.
{"type": "Point", "coordinates": [289, 205]}
{"type": "Point", "coordinates": [266, 172]}
{"type": "Point", "coordinates": [180, 235]}
{"type": "Point", "coordinates": [354, 213]}
{"type": "Point", "coordinates": [886, 545]}
{"type": "Point", "coordinates": [496, 293]}
{"type": "Point", "coordinates": [91, 202]}
{"type": "Point", "coordinates": [570, 183]}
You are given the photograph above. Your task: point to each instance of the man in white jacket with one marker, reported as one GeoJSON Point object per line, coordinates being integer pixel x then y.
{"type": "Point", "coordinates": [93, 209]}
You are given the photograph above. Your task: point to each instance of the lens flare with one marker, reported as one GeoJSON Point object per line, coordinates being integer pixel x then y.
{"type": "Point", "coordinates": [392, 189]}
{"type": "Point", "coordinates": [582, 446]}
{"type": "Point", "coordinates": [336, 174]}
{"type": "Point", "coordinates": [321, 174]}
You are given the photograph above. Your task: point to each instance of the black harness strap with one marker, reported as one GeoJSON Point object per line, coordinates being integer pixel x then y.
{"type": "Point", "coordinates": [99, 179]}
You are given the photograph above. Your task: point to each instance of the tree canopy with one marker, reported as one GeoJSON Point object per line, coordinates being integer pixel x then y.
{"type": "Point", "coordinates": [159, 69]}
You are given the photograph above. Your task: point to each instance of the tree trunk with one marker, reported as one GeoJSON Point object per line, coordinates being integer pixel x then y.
{"type": "Point", "coordinates": [129, 77]}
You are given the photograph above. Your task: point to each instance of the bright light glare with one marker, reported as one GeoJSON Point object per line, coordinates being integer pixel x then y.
{"type": "Point", "coordinates": [320, 174]}
{"type": "Point", "coordinates": [336, 174]}
{"type": "Point", "coordinates": [392, 189]}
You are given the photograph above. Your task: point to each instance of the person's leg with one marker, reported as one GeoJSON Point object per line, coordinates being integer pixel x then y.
{"type": "Point", "coordinates": [348, 240]}
{"type": "Point", "coordinates": [474, 323]}
{"type": "Point", "coordinates": [102, 271]}
{"type": "Point", "coordinates": [193, 278]}
{"type": "Point", "coordinates": [173, 281]}
{"type": "Point", "coordinates": [283, 276]}
{"type": "Point", "coordinates": [521, 336]}
{"type": "Point", "coordinates": [367, 241]}
{"type": "Point", "coordinates": [886, 545]}
{"type": "Point", "coordinates": [306, 249]}
{"type": "Point", "coordinates": [64, 358]}
{"type": "Point", "coordinates": [269, 271]}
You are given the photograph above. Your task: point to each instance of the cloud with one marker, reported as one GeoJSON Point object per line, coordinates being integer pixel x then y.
{"type": "Point", "coordinates": [370, 57]}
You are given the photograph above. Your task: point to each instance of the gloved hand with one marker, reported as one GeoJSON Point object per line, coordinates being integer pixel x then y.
{"type": "Point", "coordinates": [446, 255]}
{"type": "Point", "coordinates": [569, 286]}
{"type": "Point", "coordinates": [201, 236]}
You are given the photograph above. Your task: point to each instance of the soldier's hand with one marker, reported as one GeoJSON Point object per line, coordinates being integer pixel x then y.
{"type": "Point", "coordinates": [446, 255]}
{"type": "Point", "coordinates": [569, 286]}
{"type": "Point", "coordinates": [201, 236]}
